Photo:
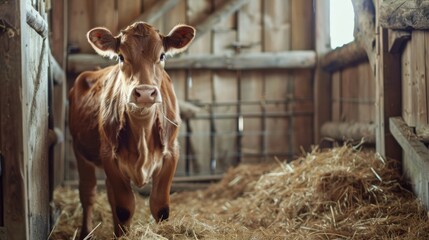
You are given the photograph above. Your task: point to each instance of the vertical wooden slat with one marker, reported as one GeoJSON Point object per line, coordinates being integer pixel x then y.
{"type": "Point", "coordinates": [388, 101]}
{"type": "Point", "coordinates": [13, 121]}
{"type": "Point", "coordinates": [322, 79]}
{"type": "Point", "coordinates": [336, 96]}
{"type": "Point", "coordinates": [366, 93]}
{"type": "Point", "coordinates": [59, 92]}
{"type": "Point", "coordinates": [250, 17]}
{"type": "Point", "coordinates": [302, 22]}
{"type": "Point", "coordinates": [105, 14]}
{"type": "Point", "coordinates": [409, 87]}
{"type": "Point", "coordinates": [198, 84]}
{"type": "Point", "coordinates": [276, 25]}
{"type": "Point", "coordinates": [419, 67]}
{"type": "Point", "coordinates": [128, 10]}
{"type": "Point", "coordinates": [80, 21]}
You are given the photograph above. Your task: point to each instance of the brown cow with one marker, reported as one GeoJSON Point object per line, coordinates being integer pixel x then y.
{"type": "Point", "coordinates": [125, 119]}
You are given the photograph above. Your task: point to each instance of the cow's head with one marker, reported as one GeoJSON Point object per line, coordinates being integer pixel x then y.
{"type": "Point", "coordinates": [141, 51]}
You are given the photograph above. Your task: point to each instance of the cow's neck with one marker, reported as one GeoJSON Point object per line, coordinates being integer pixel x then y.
{"type": "Point", "coordinates": [144, 152]}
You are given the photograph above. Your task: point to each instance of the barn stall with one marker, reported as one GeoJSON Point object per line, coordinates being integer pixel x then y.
{"type": "Point", "coordinates": [257, 89]}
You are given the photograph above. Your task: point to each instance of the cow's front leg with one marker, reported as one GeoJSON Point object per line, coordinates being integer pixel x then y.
{"type": "Point", "coordinates": [87, 192]}
{"type": "Point", "coordinates": [122, 203]}
{"type": "Point", "coordinates": [160, 194]}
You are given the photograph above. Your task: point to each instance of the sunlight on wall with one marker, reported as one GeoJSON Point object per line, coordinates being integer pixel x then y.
{"type": "Point", "coordinates": [342, 22]}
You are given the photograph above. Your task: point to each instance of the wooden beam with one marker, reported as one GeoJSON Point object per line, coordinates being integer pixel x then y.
{"type": "Point", "coordinates": [345, 131]}
{"type": "Point", "coordinates": [157, 11]}
{"type": "Point", "coordinates": [405, 14]}
{"type": "Point", "coordinates": [35, 21]}
{"type": "Point", "coordinates": [282, 60]}
{"type": "Point", "coordinates": [416, 165]}
{"type": "Point", "coordinates": [225, 11]}
{"type": "Point", "coordinates": [388, 91]}
{"type": "Point", "coordinates": [341, 57]}
{"type": "Point", "coordinates": [13, 146]}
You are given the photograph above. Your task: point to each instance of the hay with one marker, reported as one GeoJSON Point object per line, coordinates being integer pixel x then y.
{"type": "Point", "coordinates": [341, 193]}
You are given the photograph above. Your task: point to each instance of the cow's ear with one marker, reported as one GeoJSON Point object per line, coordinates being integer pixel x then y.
{"type": "Point", "coordinates": [179, 39]}
{"type": "Point", "coordinates": [103, 42]}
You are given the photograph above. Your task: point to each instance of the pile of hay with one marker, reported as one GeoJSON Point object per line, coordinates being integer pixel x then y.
{"type": "Point", "coordinates": [341, 193]}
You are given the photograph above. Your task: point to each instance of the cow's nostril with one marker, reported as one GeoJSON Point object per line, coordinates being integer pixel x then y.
{"type": "Point", "coordinates": [153, 94]}
{"type": "Point", "coordinates": [136, 93]}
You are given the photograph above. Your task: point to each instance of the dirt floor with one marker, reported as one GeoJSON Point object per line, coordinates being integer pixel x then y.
{"type": "Point", "coordinates": [341, 193]}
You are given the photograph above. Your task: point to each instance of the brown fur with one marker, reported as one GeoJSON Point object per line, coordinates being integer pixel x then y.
{"type": "Point", "coordinates": [132, 144]}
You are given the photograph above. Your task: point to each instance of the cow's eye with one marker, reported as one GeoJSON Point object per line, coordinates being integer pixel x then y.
{"type": "Point", "coordinates": [121, 58]}
{"type": "Point", "coordinates": [162, 57]}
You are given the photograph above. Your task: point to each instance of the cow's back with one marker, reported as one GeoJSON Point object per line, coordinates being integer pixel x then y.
{"type": "Point", "coordinates": [84, 106]}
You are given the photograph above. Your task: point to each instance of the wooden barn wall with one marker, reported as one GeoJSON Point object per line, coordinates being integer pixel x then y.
{"type": "Point", "coordinates": [353, 94]}
{"type": "Point", "coordinates": [415, 104]}
{"type": "Point", "coordinates": [259, 26]}
{"type": "Point", "coordinates": [23, 126]}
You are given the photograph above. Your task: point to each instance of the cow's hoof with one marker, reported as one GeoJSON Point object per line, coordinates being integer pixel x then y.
{"type": "Point", "coordinates": [163, 214]}
{"type": "Point", "coordinates": [123, 214]}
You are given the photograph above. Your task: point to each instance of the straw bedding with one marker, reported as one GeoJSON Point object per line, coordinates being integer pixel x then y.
{"type": "Point", "coordinates": [340, 193]}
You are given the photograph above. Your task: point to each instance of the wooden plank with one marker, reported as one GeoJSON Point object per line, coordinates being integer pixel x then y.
{"type": "Point", "coordinates": [249, 17]}
{"type": "Point", "coordinates": [278, 133]}
{"type": "Point", "coordinates": [79, 23]}
{"type": "Point", "coordinates": [251, 82]}
{"type": "Point", "coordinates": [416, 166]}
{"type": "Point", "coordinates": [322, 79]}
{"type": "Point", "coordinates": [366, 81]}
{"type": "Point", "coordinates": [302, 22]}
{"type": "Point", "coordinates": [245, 61]}
{"type": "Point", "coordinates": [336, 96]}
{"type": "Point", "coordinates": [153, 13]}
{"type": "Point", "coordinates": [13, 148]}
{"type": "Point", "coordinates": [105, 14]}
{"type": "Point", "coordinates": [419, 69]}
{"type": "Point", "coordinates": [198, 88]}
{"type": "Point", "coordinates": [58, 48]}
{"type": "Point", "coordinates": [221, 13]}
{"type": "Point", "coordinates": [36, 138]}
{"type": "Point", "coordinates": [128, 11]}
{"type": "Point", "coordinates": [388, 102]}
{"type": "Point", "coordinates": [409, 87]}
{"type": "Point", "coordinates": [404, 14]}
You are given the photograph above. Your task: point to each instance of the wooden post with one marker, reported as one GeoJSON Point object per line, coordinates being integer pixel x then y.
{"type": "Point", "coordinates": [388, 99]}
{"type": "Point", "coordinates": [302, 22]}
{"type": "Point", "coordinates": [322, 84]}
{"type": "Point", "coordinates": [13, 121]}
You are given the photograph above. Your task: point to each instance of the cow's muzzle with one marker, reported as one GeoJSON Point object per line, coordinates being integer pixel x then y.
{"type": "Point", "coordinates": [145, 95]}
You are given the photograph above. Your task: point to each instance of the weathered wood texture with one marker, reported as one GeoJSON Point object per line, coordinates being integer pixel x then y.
{"type": "Point", "coordinates": [388, 101]}
{"type": "Point", "coordinates": [349, 54]}
{"type": "Point", "coordinates": [353, 94]}
{"type": "Point", "coordinates": [13, 147]}
{"type": "Point", "coordinates": [322, 79]}
{"type": "Point", "coordinates": [415, 165]}
{"type": "Point", "coordinates": [245, 61]}
{"type": "Point", "coordinates": [24, 123]}
{"type": "Point", "coordinates": [405, 14]}
{"type": "Point", "coordinates": [302, 38]}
